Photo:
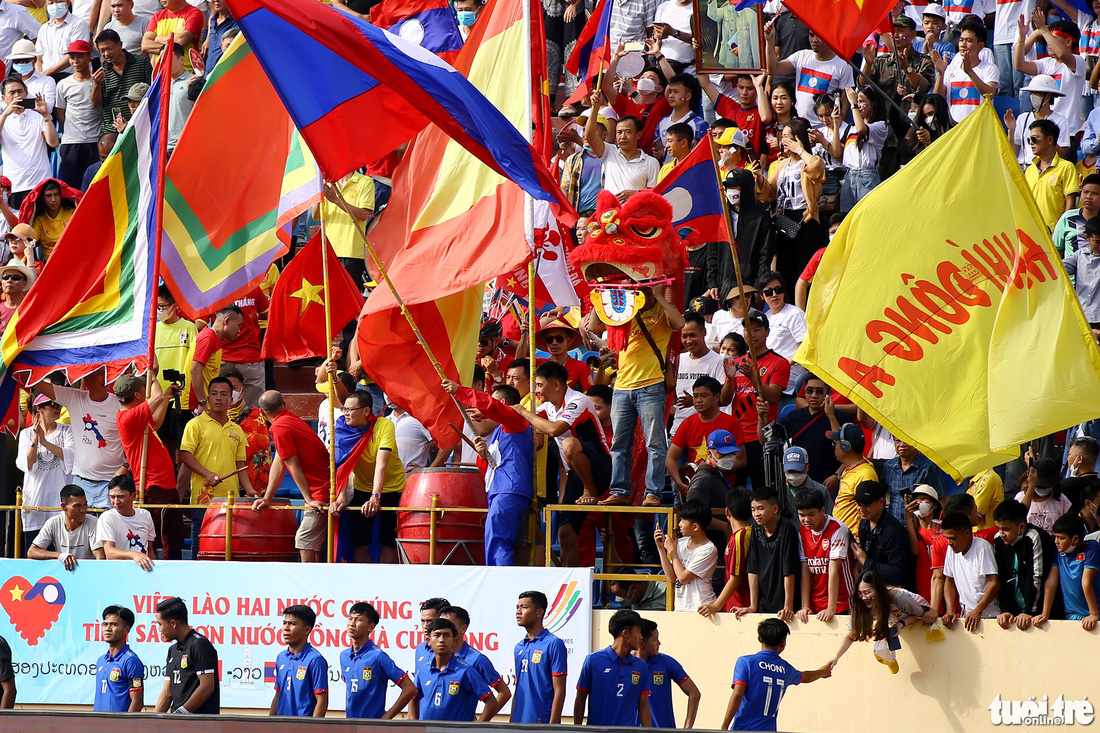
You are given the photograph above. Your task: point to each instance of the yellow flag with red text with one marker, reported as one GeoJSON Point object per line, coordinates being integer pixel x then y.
{"type": "Point", "coordinates": [941, 308]}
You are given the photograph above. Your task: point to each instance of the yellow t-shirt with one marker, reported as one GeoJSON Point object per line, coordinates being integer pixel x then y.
{"type": "Point", "coordinates": [1051, 186]}
{"type": "Point", "coordinates": [383, 437]}
{"type": "Point", "coordinates": [665, 170]}
{"type": "Point", "coordinates": [175, 349]}
{"type": "Point", "coordinates": [638, 365]}
{"type": "Point", "coordinates": [528, 402]}
{"type": "Point", "coordinates": [339, 228]}
{"type": "Point", "coordinates": [988, 491]}
{"type": "Point", "coordinates": [845, 509]}
{"type": "Point", "coordinates": [218, 448]}
{"type": "Point", "coordinates": [47, 230]}
{"type": "Point", "coordinates": [267, 285]}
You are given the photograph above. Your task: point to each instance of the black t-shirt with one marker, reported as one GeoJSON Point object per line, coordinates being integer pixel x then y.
{"type": "Point", "coordinates": [188, 659]}
{"type": "Point", "coordinates": [770, 560]}
{"type": "Point", "coordinates": [710, 486]}
{"type": "Point", "coordinates": [1073, 486]}
{"type": "Point", "coordinates": [810, 431]}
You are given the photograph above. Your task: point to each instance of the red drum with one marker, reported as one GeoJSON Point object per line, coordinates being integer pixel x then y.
{"type": "Point", "coordinates": [266, 536]}
{"type": "Point", "coordinates": [460, 536]}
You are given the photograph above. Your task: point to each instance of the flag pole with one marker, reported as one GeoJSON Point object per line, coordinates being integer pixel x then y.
{"type": "Point", "coordinates": [733, 251]}
{"type": "Point", "coordinates": [529, 233]}
{"type": "Point", "coordinates": [331, 552]}
{"type": "Point", "coordinates": [404, 309]}
{"type": "Point", "coordinates": [158, 234]}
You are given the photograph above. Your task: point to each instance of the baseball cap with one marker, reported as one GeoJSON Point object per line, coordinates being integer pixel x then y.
{"type": "Point", "coordinates": [5, 182]}
{"type": "Point", "coordinates": [127, 386]}
{"type": "Point", "coordinates": [25, 231]}
{"type": "Point", "coordinates": [795, 459]}
{"type": "Point", "coordinates": [732, 136]}
{"type": "Point", "coordinates": [79, 47]}
{"type": "Point", "coordinates": [600, 120]}
{"type": "Point", "coordinates": [849, 432]}
{"type": "Point", "coordinates": [868, 492]}
{"type": "Point", "coordinates": [926, 490]}
{"type": "Point", "coordinates": [722, 441]}
{"type": "Point", "coordinates": [936, 10]}
{"type": "Point", "coordinates": [756, 316]}
{"type": "Point", "coordinates": [137, 92]}
{"type": "Point", "coordinates": [904, 21]}
{"type": "Point", "coordinates": [704, 306]}
{"type": "Point", "coordinates": [41, 400]}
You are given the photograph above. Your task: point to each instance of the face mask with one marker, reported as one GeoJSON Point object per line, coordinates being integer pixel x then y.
{"type": "Point", "coordinates": [1075, 469]}
{"type": "Point", "coordinates": [913, 115]}
{"type": "Point", "coordinates": [57, 11]}
{"type": "Point", "coordinates": [734, 197]}
{"type": "Point", "coordinates": [1036, 100]}
{"type": "Point", "coordinates": [930, 121]}
{"type": "Point", "coordinates": [236, 397]}
{"type": "Point", "coordinates": [795, 478]}
{"type": "Point", "coordinates": [725, 463]}
{"type": "Point", "coordinates": [25, 67]}
{"type": "Point", "coordinates": [646, 85]}
{"type": "Point", "coordinates": [163, 314]}
{"type": "Point", "coordinates": [924, 510]}
{"type": "Point", "coordinates": [1044, 491]}
{"type": "Point", "coordinates": [467, 17]}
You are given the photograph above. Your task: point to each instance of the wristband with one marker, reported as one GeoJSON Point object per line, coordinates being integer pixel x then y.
{"type": "Point", "coordinates": [61, 557]}
{"type": "Point", "coordinates": [181, 710]}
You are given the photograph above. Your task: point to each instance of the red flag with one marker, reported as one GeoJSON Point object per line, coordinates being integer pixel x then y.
{"type": "Point", "coordinates": [296, 320]}
{"type": "Point", "coordinates": [842, 24]}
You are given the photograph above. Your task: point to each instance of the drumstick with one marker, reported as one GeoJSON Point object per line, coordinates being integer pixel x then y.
{"type": "Point", "coordinates": [486, 456]}
{"type": "Point", "coordinates": [223, 478]}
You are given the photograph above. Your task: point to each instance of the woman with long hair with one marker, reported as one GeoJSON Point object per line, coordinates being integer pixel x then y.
{"type": "Point", "coordinates": [933, 120]}
{"type": "Point", "coordinates": [795, 181]}
{"type": "Point", "coordinates": [879, 613]}
{"type": "Point", "coordinates": [861, 149]}
{"type": "Point", "coordinates": [782, 112]}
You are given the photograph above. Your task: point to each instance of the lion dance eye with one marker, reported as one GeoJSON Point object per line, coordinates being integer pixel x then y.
{"type": "Point", "coordinates": [647, 233]}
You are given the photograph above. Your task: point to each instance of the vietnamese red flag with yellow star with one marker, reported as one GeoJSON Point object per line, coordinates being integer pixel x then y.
{"type": "Point", "coordinates": [296, 319]}
{"type": "Point", "coordinates": [842, 24]}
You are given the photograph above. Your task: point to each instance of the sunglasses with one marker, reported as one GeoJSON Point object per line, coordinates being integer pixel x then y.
{"type": "Point", "coordinates": [777, 290]}
{"type": "Point", "coordinates": [1034, 140]}
{"type": "Point", "coordinates": [9, 276]}
{"type": "Point", "coordinates": [816, 390]}
{"type": "Point", "coordinates": [555, 339]}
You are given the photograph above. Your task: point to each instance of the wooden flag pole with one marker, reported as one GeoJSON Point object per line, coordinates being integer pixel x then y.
{"type": "Point", "coordinates": [404, 309]}
{"type": "Point", "coordinates": [330, 545]}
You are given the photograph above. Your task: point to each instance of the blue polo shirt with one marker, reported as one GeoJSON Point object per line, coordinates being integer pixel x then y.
{"type": "Point", "coordinates": [424, 656]}
{"type": "Point", "coordinates": [538, 661]}
{"type": "Point", "coordinates": [614, 687]}
{"type": "Point", "coordinates": [116, 675]}
{"type": "Point", "coordinates": [366, 673]}
{"type": "Point", "coordinates": [766, 677]}
{"type": "Point", "coordinates": [663, 672]}
{"type": "Point", "coordinates": [300, 678]}
{"type": "Point", "coordinates": [1071, 566]}
{"type": "Point", "coordinates": [451, 693]}
{"type": "Point", "coordinates": [481, 663]}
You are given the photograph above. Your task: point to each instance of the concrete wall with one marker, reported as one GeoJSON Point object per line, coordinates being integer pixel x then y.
{"type": "Point", "coordinates": [941, 686]}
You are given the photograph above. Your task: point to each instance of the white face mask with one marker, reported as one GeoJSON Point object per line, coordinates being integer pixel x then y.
{"type": "Point", "coordinates": [734, 196]}
{"type": "Point", "coordinates": [645, 85]}
{"type": "Point", "coordinates": [163, 314]}
{"type": "Point", "coordinates": [913, 115]}
{"type": "Point", "coordinates": [1044, 491]}
{"type": "Point", "coordinates": [725, 463]}
{"type": "Point", "coordinates": [930, 121]}
{"type": "Point", "coordinates": [795, 478]}
{"type": "Point", "coordinates": [924, 511]}
{"type": "Point", "coordinates": [1036, 100]}
{"type": "Point", "coordinates": [236, 397]}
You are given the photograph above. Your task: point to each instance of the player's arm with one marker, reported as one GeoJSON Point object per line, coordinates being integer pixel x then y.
{"type": "Point", "coordinates": [491, 708]}
{"type": "Point", "coordinates": [164, 699]}
{"type": "Point", "coordinates": [7, 694]}
{"type": "Point", "coordinates": [274, 703]}
{"type": "Point", "coordinates": [414, 708]}
{"type": "Point", "coordinates": [735, 702]}
{"type": "Point", "coordinates": [816, 674]}
{"type": "Point", "coordinates": [321, 706]}
{"type": "Point", "coordinates": [408, 692]}
{"type": "Point", "coordinates": [558, 681]}
{"type": "Point", "coordinates": [645, 715]}
{"type": "Point", "coordinates": [198, 698]}
{"type": "Point", "coordinates": [692, 691]}
{"type": "Point", "coordinates": [504, 694]}
{"type": "Point", "coordinates": [578, 706]}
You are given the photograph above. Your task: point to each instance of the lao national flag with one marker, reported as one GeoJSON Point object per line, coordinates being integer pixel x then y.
{"type": "Point", "coordinates": [594, 46]}
{"type": "Point", "coordinates": [269, 673]}
{"type": "Point", "coordinates": [964, 93]}
{"type": "Point", "coordinates": [696, 198]}
{"type": "Point", "coordinates": [428, 23]}
{"type": "Point", "coordinates": [813, 81]}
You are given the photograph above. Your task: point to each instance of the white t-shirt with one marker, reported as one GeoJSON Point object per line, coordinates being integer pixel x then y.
{"type": "Point", "coordinates": [1008, 13]}
{"type": "Point", "coordinates": [95, 433]}
{"type": "Point", "coordinates": [959, 9]}
{"type": "Point", "coordinates": [620, 174]}
{"type": "Point", "coordinates": [413, 440]}
{"type": "Point", "coordinates": [15, 23]}
{"type": "Point", "coordinates": [962, 96]}
{"type": "Point", "coordinates": [1043, 513]}
{"type": "Point", "coordinates": [83, 122]}
{"type": "Point", "coordinates": [786, 329]}
{"type": "Point", "coordinates": [1023, 155]}
{"type": "Point", "coordinates": [855, 157]}
{"type": "Point", "coordinates": [725, 322]}
{"type": "Point", "coordinates": [701, 562]}
{"type": "Point", "coordinates": [813, 76]}
{"type": "Point", "coordinates": [40, 85]}
{"type": "Point", "coordinates": [679, 17]}
{"type": "Point", "coordinates": [969, 571]}
{"type": "Point", "coordinates": [26, 157]}
{"type": "Point", "coordinates": [130, 534]}
{"type": "Point", "coordinates": [77, 543]}
{"type": "Point", "coordinates": [709, 365]}
{"type": "Point", "coordinates": [1070, 83]}
{"type": "Point", "coordinates": [132, 34]}
{"type": "Point", "coordinates": [53, 40]}
{"type": "Point", "coordinates": [42, 482]}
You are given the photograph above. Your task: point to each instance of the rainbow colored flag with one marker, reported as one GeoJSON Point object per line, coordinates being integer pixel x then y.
{"type": "Point", "coordinates": [227, 217]}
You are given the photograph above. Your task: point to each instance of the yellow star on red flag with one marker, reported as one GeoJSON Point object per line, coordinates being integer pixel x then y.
{"type": "Point", "coordinates": [308, 293]}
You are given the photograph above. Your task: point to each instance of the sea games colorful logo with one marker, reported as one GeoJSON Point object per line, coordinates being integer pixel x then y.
{"type": "Point", "coordinates": [565, 606]}
{"type": "Point", "coordinates": [32, 607]}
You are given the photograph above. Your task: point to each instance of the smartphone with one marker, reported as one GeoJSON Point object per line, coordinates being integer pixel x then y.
{"type": "Point", "coordinates": [633, 46]}
{"type": "Point", "coordinates": [26, 103]}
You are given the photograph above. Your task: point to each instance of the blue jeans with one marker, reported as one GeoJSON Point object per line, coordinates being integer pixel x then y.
{"type": "Point", "coordinates": [197, 515]}
{"type": "Point", "coordinates": [857, 184]}
{"type": "Point", "coordinates": [94, 491]}
{"type": "Point", "coordinates": [627, 407]}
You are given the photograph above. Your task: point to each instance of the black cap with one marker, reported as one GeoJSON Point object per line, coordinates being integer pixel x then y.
{"type": "Point", "coordinates": [904, 21]}
{"type": "Point", "coordinates": [868, 492]}
{"type": "Point", "coordinates": [704, 305]}
{"type": "Point", "coordinates": [757, 316]}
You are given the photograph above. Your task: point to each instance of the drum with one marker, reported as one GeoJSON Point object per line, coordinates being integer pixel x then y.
{"type": "Point", "coordinates": [266, 536]}
{"type": "Point", "coordinates": [460, 536]}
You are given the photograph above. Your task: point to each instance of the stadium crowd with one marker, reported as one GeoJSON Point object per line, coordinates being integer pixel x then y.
{"type": "Point", "coordinates": [791, 500]}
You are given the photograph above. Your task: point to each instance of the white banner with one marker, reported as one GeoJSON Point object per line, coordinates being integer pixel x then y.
{"type": "Point", "coordinates": [51, 617]}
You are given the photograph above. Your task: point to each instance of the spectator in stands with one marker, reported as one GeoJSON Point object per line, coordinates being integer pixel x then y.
{"type": "Point", "coordinates": [735, 592]}
{"type": "Point", "coordinates": [23, 57]}
{"type": "Point", "coordinates": [467, 12]}
{"type": "Point", "coordinates": [126, 532]}
{"type": "Point", "coordinates": [179, 19]}
{"type": "Point", "coordinates": [639, 595]}
{"type": "Point", "coordinates": [49, 207]}
{"type": "Point", "coordinates": [55, 37]}
{"type": "Point", "coordinates": [129, 25]}
{"type": "Point", "coordinates": [691, 559]}
{"type": "Point", "coordinates": [806, 428]}
{"type": "Point", "coordinates": [824, 552]}
{"type": "Point", "coordinates": [1084, 266]}
{"type": "Point", "coordinates": [796, 180]}
{"type": "Point", "coordinates": [79, 115]}
{"type": "Point", "coordinates": [747, 109]}
{"type": "Point", "coordinates": [909, 468]}
{"type": "Point", "coordinates": [1024, 554]}
{"type": "Point", "coordinates": [174, 348]}
{"type": "Point", "coordinates": [1081, 458]}
{"type": "Point", "coordinates": [696, 361]}
{"type": "Point", "coordinates": [779, 115]}
{"type": "Point", "coordinates": [1062, 61]}
{"type": "Point", "coordinates": [221, 23]}
{"type": "Point", "coordinates": [818, 70]}
{"type": "Point", "coordinates": [16, 24]}
{"type": "Point", "coordinates": [905, 72]}
{"type": "Point", "coordinates": [133, 101]}
{"type": "Point", "coordinates": [964, 80]}
{"type": "Point", "coordinates": [682, 95]}
{"type": "Point", "coordinates": [786, 325]}
{"type": "Point", "coordinates": [924, 533]}
{"type": "Point", "coordinates": [663, 671]}
{"type": "Point", "coordinates": [609, 670]}
{"type": "Point", "coordinates": [70, 534]}
{"type": "Point", "coordinates": [879, 613]}
{"type": "Point", "coordinates": [138, 420]}
{"type": "Point", "coordinates": [98, 451]}
{"type": "Point", "coordinates": [987, 489]}
{"type": "Point", "coordinates": [773, 567]}
{"type": "Point", "coordinates": [24, 137]}
{"type": "Point", "coordinates": [1090, 509]}
{"type": "Point", "coordinates": [558, 338]}
{"type": "Point", "coordinates": [582, 175]}
{"type": "Point", "coordinates": [691, 441]}
{"type": "Point", "coordinates": [632, 20]}
{"type": "Point", "coordinates": [15, 280]}
{"type": "Point", "coordinates": [1076, 574]}
{"type": "Point", "coordinates": [1043, 496]}
{"type": "Point", "coordinates": [677, 143]}
{"type": "Point", "coordinates": [862, 155]}
{"type": "Point", "coordinates": [1053, 180]}
{"type": "Point", "coordinates": [213, 448]}
{"type": "Point", "coordinates": [180, 101]}
{"type": "Point", "coordinates": [970, 570]}
{"type": "Point", "coordinates": [340, 226]}
{"type": "Point", "coordinates": [45, 456]}
{"type": "Point", "coordinates": [257, 451]}
{"type": "Point", "coordinates": [883, 540]}
{"type": "Point", "coordinates": [242, 352]}
{"type": "Point", "coordinates": [120, 71]}
{"type": "Point", "coordinates": [414, 442]}
{"type": "Point", "coordinates": [206, 359]}
{"type": "Point", "coordinates": [1043, 90]}
{"type": "Point", "coordinates": [848, 444]}
{"type": "Point", "coordinates": [796, 466]}
{"type": "Point", "coordinates": [1069, 232]}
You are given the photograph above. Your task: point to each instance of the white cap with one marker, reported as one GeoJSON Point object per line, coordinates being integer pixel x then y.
{"type": "Point", "coordinates": [936, 10]}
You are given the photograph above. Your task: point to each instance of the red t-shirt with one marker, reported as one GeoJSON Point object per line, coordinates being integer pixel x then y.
{"type": "Point", "coordinates": [580, 376]}
{"type": "Point", "coordinates": [818, 550]}
{"type": "Point", "coordinates": [692, 434]}
{"type": "Point", "coordinates": [811, 266]}
{"type": "Point", "coordinates": [207, 344]}
{"type": "Point", "coordinates": [774, 369]}
{"type": "Point", "coordinates": [748, 120]}
{"type": "Point", "coordinates": [293, 437]}
{"type": "Point", "coordinates": [245, 349]}
{"type": "Point", "coordinates": [131, 430]}
{"type": "Point", "coordinates": [737, 553]}
{"type": "Point", "coordinates": [939, 544]}
{"type": "Point", "coordinates": [165, 22]}
{"type": "Point", "coordinates": [932, 543]}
